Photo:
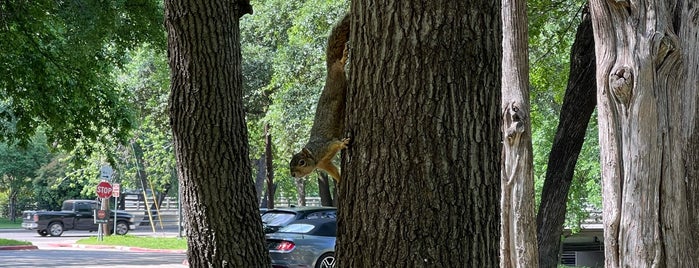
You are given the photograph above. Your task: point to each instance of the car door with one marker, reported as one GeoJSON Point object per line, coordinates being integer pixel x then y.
{"type": "Point", "coordinates": [83, 216]}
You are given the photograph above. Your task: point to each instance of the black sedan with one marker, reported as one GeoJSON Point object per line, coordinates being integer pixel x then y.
{"type": "Point", "coordinates": [304, 243]}
{"type": "Point", "coordinates": [276, 218]}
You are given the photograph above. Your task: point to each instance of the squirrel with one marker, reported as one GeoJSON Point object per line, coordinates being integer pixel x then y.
{"type": "Point", "coordinates": [328, 124]}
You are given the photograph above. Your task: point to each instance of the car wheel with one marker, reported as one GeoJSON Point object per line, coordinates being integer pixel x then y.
{"type": "Point", "coordinates": [327, 260]}
{"type": "Point", "coordinates": [42, 232]}
{"type": "Point", "coordinates": [55, 229]}
{"type": "Point", "coordinates": [122, 228]}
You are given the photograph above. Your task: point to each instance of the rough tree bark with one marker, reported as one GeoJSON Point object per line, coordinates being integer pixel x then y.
{"type": "Point", "coordinates": [420, 184]}
{"type": "Point", "coordinates": [269, 168]}
{"type": "Point", "coordinates": [647, 56]}
{"type": "Point", "coordinates": [578, 104]}
{"type": "Point", "coordinates": [210, 135]}
{"type": "Point", "coordinates": [689, 33]}
{"type": "Point", "coordinates": [518, 246]}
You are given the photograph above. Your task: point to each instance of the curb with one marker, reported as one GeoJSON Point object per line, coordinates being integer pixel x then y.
{"type": "Point", "coordinates": [23, 247]}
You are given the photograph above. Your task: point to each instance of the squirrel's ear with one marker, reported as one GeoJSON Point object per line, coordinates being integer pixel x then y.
{"type": "Point", "coordinates": [306, 152]}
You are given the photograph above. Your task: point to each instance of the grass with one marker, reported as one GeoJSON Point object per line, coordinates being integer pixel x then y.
{"type": "Point", "coordinates": [138, 241]}
{"type": "Point", "coordinates": [7, 224]}
{"type": "Point", "coordinates": [9, 242]}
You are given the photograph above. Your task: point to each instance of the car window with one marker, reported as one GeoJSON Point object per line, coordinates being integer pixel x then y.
{"type": "Point", "coordinates": [297, 228]}
{"type": "Point", "coordinates": [322, 215]}
{"type": "Point", "coordinates": [83, 207]}
{"type": "Point", "coordinates": [277, 218]}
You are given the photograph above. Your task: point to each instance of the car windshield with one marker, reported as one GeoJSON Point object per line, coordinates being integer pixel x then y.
{"type": "Point", "coordinates": [297, 228]}
{"type": "Point", "coordinates": [277, 218]}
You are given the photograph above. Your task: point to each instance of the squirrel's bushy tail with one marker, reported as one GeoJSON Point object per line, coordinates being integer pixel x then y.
{"type": "Point", "coordinates": [337, 40]}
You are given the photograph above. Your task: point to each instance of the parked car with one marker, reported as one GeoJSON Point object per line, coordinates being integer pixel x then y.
{"type": "Point", "coordinates": [304, 243]}
{"type": "Point", "coordinates": [276, 218]}
{"type": "Point", "coordinates": [74, 215]}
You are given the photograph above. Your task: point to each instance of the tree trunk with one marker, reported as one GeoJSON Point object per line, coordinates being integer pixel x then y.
{"type": "Point", "coordinates": [269, 168]}
{"type": "Point", "coordinates": [420, 181]}
{"type": "Point", "coordinates": [326, 198]}
{"type": "Point", "coordinates": [260, 179]}
{"type": "Point", "coordinates": [689, 34]}
{"type": "Point", "coordinates": [578, 104]}
{"type": "Point", "coordinates": [210, 135]}
{"type": "Point", "coordinates": [13, 204]}
{"type": "Point", "coordinates": [518, 246]}
{"type": "Point", "coordinates": [300, 191]}
{"type": "Point", "coordinates": [140, 167]}
{"type": "Point", "coordinates": [647, 109]}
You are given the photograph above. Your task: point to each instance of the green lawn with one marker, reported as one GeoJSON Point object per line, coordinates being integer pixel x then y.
{"type": "Point", "coordinates": [8, 242]}
{"type": "Point", "coordinates": [138, 241]}
{"type": "Point", "coordinates": [7, 224]}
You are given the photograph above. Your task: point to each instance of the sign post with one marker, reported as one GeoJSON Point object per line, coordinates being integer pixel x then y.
{"type": "Point", "coordinates": [104, 191]}
{"type": "Point", "coordinates": [116, 188]}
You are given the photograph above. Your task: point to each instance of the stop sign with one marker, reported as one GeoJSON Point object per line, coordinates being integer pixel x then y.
{"type": "Point", "coordinates": [104, 190]}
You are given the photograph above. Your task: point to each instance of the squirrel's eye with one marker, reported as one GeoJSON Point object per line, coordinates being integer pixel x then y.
{"type": "Point", "coordinates": [302, 163]}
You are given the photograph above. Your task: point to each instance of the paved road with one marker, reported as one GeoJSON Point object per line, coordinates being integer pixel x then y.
{"type": "Point", "coordinates": [50, 254]}
{"type": "Point", "coordinates": [88, 258]}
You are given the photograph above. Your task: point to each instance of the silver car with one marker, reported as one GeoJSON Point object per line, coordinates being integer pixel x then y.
{"type": "Point", "coordinates": [304, 243]}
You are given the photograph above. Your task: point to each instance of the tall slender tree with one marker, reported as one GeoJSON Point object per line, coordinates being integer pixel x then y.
{"type": "Point", "coordinates": [647, 55]}
{"type": "Point", "coordinates": [420, 180]}
{"type": "Point", "coordinates": [518, 246]}
{"type": "Point", "coordinates": [578, 104]}
{"type": "Point", "coordinates": [210, 135]}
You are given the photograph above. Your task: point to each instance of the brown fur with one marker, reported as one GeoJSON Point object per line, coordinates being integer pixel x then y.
{"type": "Point", "coordinates": [325, 139]}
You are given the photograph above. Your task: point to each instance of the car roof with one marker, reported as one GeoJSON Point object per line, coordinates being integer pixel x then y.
{"type": "Point", "coordinates": [295, 209]}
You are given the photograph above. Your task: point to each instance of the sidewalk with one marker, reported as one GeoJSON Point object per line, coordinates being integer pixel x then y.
{"type": "Point", "coordinates": [121, 248]}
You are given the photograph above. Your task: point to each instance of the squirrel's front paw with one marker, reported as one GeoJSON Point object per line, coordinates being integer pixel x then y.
{"type": "Point", "coordinates": [345, 142]}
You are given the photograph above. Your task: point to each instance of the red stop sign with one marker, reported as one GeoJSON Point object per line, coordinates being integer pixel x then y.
{"type": "Point", "coordinates": [104, 190]}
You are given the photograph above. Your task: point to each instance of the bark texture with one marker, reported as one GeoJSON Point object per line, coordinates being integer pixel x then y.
{"type": "Point", "coordinates": [420, 184]}
{"type": "Point", "coordinates": [518, 246]}
{"type": "Point", "coordinates": [646, 56]}
{"type": "Point", "coordinates": [210, 135]}
{"type": "Point", "coordinates": [689, 36]}
{"type": "Point", "coordinates": [578, 104]}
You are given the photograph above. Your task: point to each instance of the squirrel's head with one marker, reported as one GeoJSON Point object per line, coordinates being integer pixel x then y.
{"type": "Point", "coordinates": [302, 163]}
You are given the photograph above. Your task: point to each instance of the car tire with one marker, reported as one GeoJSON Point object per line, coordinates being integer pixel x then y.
{"type": "Point", "coordinates": [55, 229]}
{"type": "Point", "coordinates": [122, 228]}
{"type": "Point", "coordinates": [326, 260]}
{"type": "Point", "coordinates": [42, 232]}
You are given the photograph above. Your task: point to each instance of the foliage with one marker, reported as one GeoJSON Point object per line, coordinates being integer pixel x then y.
{"type": "Point", "coordinates": [138, 241]}
{"type": "Point", "coordinates": [18, 165]}
{"type": "Point", "coordinates": [57, 57]}
{"type": "Point", "coordinates": [292, 37]}
{"type": "Point", "coordinates": [550, 42]}
{"type": "Point", "coordinates": [146, 78]}
{"type": "Point", "coordinates": [52, 184]}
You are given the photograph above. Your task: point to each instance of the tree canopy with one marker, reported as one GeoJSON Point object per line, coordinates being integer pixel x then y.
{"type": "Point", "coordinates": [57, 60]}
